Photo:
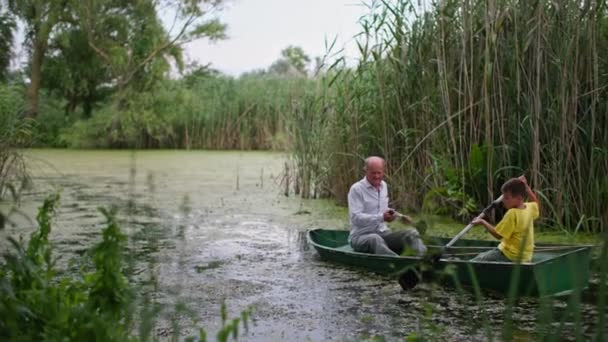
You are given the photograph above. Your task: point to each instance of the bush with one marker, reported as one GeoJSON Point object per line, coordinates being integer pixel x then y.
{"type": "Point", "coordinates": [14, 133]}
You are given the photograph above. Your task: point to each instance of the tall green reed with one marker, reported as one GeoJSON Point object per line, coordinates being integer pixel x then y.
{"type": "Point", "coordinates": [14, 133]}
{"type": "Point", "coordinates": [211, 112]}
{"type": "Point", "coordinates": [493, 89]}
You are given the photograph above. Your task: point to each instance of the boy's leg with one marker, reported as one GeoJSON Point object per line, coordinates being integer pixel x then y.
{"type": "Point", "coordinates": [371, 243]}
{"type": "Point", "coordinates": [493, 254]}
{"type": "Point", "coordinates": [404, 240]}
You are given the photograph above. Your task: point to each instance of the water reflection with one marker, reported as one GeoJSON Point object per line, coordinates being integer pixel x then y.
{"type": "Point", "coordinates": [297, 241]}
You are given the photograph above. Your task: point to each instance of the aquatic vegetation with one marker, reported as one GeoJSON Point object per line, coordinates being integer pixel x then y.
{"type": "Point", "coordinates": [210, 265]}
{"type": "Point", "coordinates": [39, 302]}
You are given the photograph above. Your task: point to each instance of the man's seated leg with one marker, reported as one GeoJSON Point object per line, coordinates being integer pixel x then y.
{"type": "Point", "coordinates": [404, 240]}
{"type": "Point", "coordinates": [371, 243]}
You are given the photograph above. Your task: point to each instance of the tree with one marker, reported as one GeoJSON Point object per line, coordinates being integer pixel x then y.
{"type": "Point", "coordinates": [195, 72]}
{"type": "Point", "coordinates": [135, 43]}
{"type": "Point", "coordinates": [293, 61]}
{"type": "Point", "coordinates": [7, 27]}
{"type": "Point", "coordinates": [74, 71]}
{"type": "Point", "coordinates": [127, 36]}
{"type": "Point", "coordinates": [39, 18]}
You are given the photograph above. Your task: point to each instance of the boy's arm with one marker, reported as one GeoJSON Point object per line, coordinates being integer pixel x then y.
{"type": "Point", "coordinates": [490, 228]}
{"type": "Point", "coordinates": [530, 193]}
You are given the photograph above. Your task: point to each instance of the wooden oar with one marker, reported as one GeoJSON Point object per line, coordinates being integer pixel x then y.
{"type": "Point", "coordinates": [484, 212]}
{"type": "Point", "coordinates": [404, 218]}
{"type": "Point", "coordinates": [410, 278]}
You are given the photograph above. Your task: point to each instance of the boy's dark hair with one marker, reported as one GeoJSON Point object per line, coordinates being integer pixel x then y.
{"type": "Point", "coordinates": [515, 187]}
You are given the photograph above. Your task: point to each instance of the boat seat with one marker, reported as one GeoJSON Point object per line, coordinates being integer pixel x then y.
{"type": "Point", "coordinates": [537, 257]}
{"type": "Point", "coordinates": [542, 256]}
{"type": "Point", "coordinates": [345, 248]}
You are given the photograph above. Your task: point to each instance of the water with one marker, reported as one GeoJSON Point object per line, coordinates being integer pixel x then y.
{"type": "Point", "coordinates": [214, 226]}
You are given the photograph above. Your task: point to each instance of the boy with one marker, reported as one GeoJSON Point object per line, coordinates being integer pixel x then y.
{"type": "Point", "coordinates": [516, 229]}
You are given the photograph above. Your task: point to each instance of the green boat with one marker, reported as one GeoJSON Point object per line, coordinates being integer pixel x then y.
{"type": "Point", "coordinates": [554, 269]}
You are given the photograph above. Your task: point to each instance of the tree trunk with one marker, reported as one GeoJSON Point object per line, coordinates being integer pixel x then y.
{"type": "Point", "coordinates": [33, 89]}
{"type": "Point", "coordinates": [70, 107]}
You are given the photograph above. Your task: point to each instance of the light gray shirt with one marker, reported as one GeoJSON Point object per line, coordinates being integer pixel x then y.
{"type": "Point", "coordinates": [366, 207]}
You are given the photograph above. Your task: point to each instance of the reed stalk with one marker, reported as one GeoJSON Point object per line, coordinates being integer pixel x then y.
{"type": "Point", "coordinates": [459, 96]}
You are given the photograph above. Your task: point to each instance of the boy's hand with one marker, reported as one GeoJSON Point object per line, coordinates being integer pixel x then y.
{"type": "Point", "coordinates": [529, 192]}
{"type": "Point", "coordinates": [524, 180]}
{"type": "Point", "coordinates": [478, 220]}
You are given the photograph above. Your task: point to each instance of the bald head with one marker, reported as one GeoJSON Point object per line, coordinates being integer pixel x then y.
{"type": "Point", "coordinates": [373, 161]}
{"type": "Point", "coordinates": [374, 170]}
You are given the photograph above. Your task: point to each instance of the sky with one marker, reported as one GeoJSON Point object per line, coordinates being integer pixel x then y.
{"type": "Point", "coordinates": [259, 29]}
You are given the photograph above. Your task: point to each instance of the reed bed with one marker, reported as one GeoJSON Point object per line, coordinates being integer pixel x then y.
{"type": "Point", "coordinates": [210, 112]}
{"type": "Point", "coordinates": [246, 113]}
{"type": "Point", "coordinates": [14, 133]}
{"type": "Point", "coordinates": [459, 96]}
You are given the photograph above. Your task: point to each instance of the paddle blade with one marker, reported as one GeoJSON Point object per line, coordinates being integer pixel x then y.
{"type": "Point", "coordinates": [409, 279]}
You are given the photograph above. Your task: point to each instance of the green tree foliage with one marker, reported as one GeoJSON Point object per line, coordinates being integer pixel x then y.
{"type": "Point", "coordinates": [293, 61]}
{"type": "Point", "coordinates": [135, 46]}
{"type": "Point", "coordinates": [94, 44]}
{"type": "Point", "coordinates": [40, 18]}
{"type": "Point", "coordinates": [73, 71]}
{"type": "Point", "coordinates": [7, 27]}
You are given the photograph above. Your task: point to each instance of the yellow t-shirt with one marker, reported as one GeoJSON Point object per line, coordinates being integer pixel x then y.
{"type": "Point", "coordinates": [517, 231]}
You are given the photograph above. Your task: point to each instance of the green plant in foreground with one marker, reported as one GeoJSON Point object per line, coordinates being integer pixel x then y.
{"type": "Point", "coordinates": [38, 303]}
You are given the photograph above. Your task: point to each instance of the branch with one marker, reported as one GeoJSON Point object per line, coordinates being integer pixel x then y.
{"type": "Point", "coordinates": [154, 53]}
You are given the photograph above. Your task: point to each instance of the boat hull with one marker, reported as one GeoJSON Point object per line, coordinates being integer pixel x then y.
{"type": "Point", "coordinates": [554, 270]}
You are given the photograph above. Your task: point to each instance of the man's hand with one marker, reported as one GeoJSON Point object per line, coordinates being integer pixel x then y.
{"type": "Point", "coordinates": [389, 215]}
{"type": "Point", "coordinates": [404, 218]}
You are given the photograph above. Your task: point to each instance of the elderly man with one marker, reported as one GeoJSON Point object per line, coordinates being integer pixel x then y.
{"type": "Point", "coordinates": [368, 210]}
